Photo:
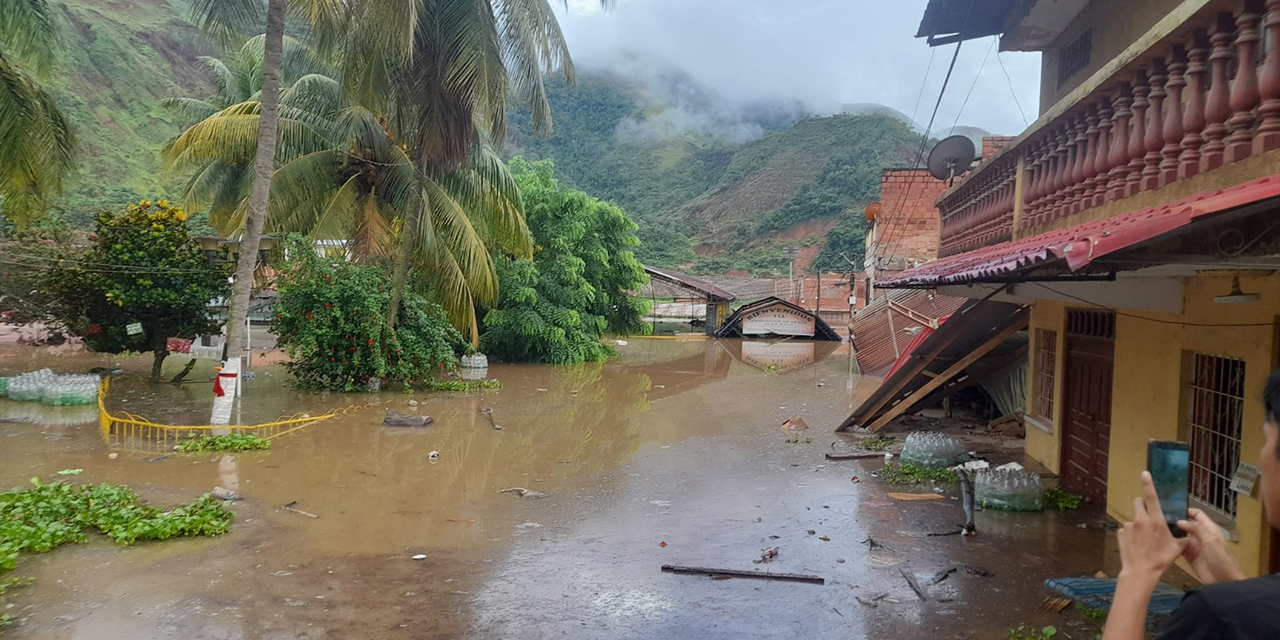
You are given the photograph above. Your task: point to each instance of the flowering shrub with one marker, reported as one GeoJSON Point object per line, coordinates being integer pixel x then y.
{"type": "Point", "coordinates": [331, 321]}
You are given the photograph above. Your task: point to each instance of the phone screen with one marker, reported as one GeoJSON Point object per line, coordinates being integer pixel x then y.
{"type": "Point", "coordinates": [1168, 463]}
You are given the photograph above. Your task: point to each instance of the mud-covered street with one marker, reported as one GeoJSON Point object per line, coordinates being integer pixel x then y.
{"type": "Point", "coordinates": [670, 453]}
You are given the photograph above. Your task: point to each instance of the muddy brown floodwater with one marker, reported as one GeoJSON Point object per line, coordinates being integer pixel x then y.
{"type": "Point", "coordinates": [675, 441]}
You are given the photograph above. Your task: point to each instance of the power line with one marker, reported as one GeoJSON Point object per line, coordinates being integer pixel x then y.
{"type": "Point", "coordinates": [111, 269]}
{"type": "Point", "coordinates": [976, 76]}
{"type": "Point", "coordinates": [51, 259]}
{"type": "Point", "coordinates": [1009, 79]}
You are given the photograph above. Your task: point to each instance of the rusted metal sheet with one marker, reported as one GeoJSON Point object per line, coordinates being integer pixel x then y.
{"type": "Point", "coordinates": [1081, 244]}
{"type": "Point", "coordinates": [884, 329]}
{"type": "Point", "coordinates": [710, 291]}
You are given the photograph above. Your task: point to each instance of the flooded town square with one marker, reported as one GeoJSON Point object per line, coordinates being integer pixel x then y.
{"type": "Point", "coordinates": [669, 453]}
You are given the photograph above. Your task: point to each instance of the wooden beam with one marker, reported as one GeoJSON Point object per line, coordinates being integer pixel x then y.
{"type": "Point", "coordinates": [1018, 323]}
{"type": "Point", "coordinates": [914, 366]}
{"type": "Point", "coordinates": [1013, 357]}
{"type": "Point", "coordinates": [913, 315]}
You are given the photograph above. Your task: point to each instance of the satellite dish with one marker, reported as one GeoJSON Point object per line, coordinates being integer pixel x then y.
{"type": "Point", "coordinates": [951, 157]}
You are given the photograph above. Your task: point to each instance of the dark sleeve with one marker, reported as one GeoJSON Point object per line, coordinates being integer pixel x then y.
{"type": "Point", "coordinates": [1194, 619]}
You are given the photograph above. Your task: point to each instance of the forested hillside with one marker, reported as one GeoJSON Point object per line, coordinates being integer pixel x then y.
{"type": "Point", "coordinates": [704, 199]}
{"type": "Point", "coordinates": [714, 185]}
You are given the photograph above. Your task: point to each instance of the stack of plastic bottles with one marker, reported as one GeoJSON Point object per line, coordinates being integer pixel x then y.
{"type": "Point", "coordinates": [54, 390]}
{"type": "Point", "coordinates": [36, 413]}
{"type": "Point", "coordinates": [77, 389]}
{"type": "Point", "coordinates": [933, 450]}
{"type": "Point", "coordinates": [29, 387]}
{"type": "Point", "coordinates": [1009, 490]}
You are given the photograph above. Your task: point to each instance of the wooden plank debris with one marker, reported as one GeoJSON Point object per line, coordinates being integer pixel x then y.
{"type": "Point", "coordinates": [734, 573]}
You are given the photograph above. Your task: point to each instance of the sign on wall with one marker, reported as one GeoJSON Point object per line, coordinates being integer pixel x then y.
{"type": "Point", "coordinates": [778, 320]}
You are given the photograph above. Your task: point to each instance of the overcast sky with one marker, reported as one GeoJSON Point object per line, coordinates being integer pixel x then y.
{"type": "Point", "coordinates": [822, 52]}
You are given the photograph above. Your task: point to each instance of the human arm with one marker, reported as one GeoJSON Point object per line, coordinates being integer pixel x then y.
{"type": "Point", "coordinates": [1207, 554]}
{"type": "Point", "coordinates": [1147, 550]}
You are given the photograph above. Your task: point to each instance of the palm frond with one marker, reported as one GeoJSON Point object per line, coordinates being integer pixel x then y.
{"type": "Point", "coordinates": [229, 20]}
{"type": "Point", "coordinates": [37, 145]}
{"type": "Point", "coordinates": [190, 109]}
{"type": "Point", "coordinates": [29, 33]}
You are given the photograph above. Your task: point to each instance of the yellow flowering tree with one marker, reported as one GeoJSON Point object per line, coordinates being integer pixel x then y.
{"type": "Point", "coordinates": [142, 268]}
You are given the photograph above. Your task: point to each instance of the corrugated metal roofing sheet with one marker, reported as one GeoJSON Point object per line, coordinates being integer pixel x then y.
{"type": "Point", "coordinates": [1083, 243]}
{"type": "Point", "coordinates": [697, 284]}
{"type": "Point", "coordinates": [879, 339]}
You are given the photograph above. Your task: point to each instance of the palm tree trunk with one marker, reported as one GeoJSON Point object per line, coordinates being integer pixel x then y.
{"type": "Point", "coordinates": [263, 167]}
{"type": "Point", "coordinates": [404, 257]}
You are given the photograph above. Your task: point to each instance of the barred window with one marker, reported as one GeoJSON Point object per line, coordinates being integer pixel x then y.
{"type": "Point", "coordinates": [1214, 422]}
{"type": "Point", "coordinates": [1046, 365]}
{"type": "Point", "coordinates": [1075, 57]}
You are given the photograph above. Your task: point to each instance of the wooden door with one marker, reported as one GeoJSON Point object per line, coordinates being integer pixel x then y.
{"type": "Point", "coordinates": [1086, 433]}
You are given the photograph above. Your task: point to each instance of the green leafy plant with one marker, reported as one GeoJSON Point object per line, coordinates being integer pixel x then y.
{"type": "Point", "coordinates": [447, 384]}
{"type": "Point", "coordinates": [772, 368]}
{"type": "Point", "coordinates": [580, 283]}
{"type": "Point", "coordinates": [1062, 500]}
{"type": "Point", "coordinates": [331, 320]}
{"type": "Point", "coordinates": [224, 442]}
{"type": "Point", "coordinates": [14, 583]}
{"type": "Point", "coordinates": [158, 278]}
{"type": "Point", "coordinates": [906, 473]}
{"type": "Point", "coordinates": [877, 442]}
{"type": "Point", "coordinates": [1092, 613]}
{"type": "Point", "coordinates": [45, 516]}
{"type": "Point", "coordinates": [1023, 633]}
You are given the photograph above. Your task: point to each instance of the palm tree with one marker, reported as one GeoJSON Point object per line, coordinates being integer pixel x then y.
{"type": "Point", "coordinates": [343, 176]}
{"type": "Point", "coordinates": [37, 147]}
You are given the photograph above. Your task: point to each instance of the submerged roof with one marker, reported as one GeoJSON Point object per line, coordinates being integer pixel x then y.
{"type": "Point", "coordinates": [686, 281]}
{"type": "Point", "coordinates": [733, 324]}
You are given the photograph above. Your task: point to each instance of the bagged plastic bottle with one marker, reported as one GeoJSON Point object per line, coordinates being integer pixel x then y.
{"type": "Point", "coordinates": [933, 450]}
{"type": "Point", "coordinates": [1009, 490]}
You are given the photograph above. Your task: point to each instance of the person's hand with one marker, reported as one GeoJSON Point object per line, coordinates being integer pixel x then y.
{"type": "Point", "coordinates": [1147, 547]}
{"type": "Point", "coordinates": [1207, 552]}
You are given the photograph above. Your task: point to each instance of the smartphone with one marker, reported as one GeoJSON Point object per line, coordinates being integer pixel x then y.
{"type": "Point", "coordinates": [1169, 464]}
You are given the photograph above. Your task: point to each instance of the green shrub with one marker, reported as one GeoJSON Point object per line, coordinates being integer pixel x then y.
{"type": "Point", "coordinates": [437, 384]}
{"type": "Point", "coordinates": [1061, 500]}
{"type": "Point", "coordinates": [46, 516]}
{"type": "Point", "coordinates": [224, 442]}
{"type": "Point", "coordinates": [331, 321]}
{"type": "Point", "coordinates": [907, 473]}
{"type": "Point", "coordinates": [1023, 633]}
{"type": "Point", "coordinates": [878, 442]}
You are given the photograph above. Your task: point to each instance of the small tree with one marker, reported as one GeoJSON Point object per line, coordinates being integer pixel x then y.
{"type": "Point", "coordinates": [143, 267]}
{"type": "Point", "coordinates": [580, 284]}
{"type": "Point", "coordinates": [331, 320]}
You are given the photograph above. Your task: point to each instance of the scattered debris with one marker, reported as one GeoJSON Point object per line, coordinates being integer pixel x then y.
{"type": "Point", "coordinates": [620, 343]}
{"type": "Point", "coordinates": [915, 586]}
{"type": "Point", "coordinates": [910, 497]}
{"type": "Point", "coordinates": [528, 525]}
{"type": "Point", "coordinates": [791, 426]}
{"type": "Point", "coordinates": [839, 560]}
{"type": "Point", "coordinates": [413, 403]}
{"type": "Point", "coordinates": [884, 561]}
{"type": "Point", "coordinates": [113, 455]}
{"type": "Point", "coordinates": [155, 459]}
{"type": "Point", "coordinates": [722, 574]}
{"type": "Point", "coordinates": [833, 608]}
{"type": "Point", "coordinates": [71, 472]}
{"type": "Point", "coordinates": [225, 494]}
{"type": "Point", "coordinates": [942, 575]}
{"type": "Point", "coordinates": [1012, 466]}
{"type": "Point", "coordinates": [1055, 605]}
{"type": "Point", "coordinates": [825, 538]}
{"type": "Point", "coordinates": [663, 544]}
{"type": "Point", "coordinates": [433, 456]}
{"type": "Point", "coordinates": [420, 556]}
{"type": "Point", "coordinates": [974, 465]}
{"type": "Point", "coordinates": [522, 492]}
{"type": "Point", "coordinates": [853, 456]}
{"type": "Point", "coordinates": [873, 600]}
{"type": "Point", "coordinates": [397, 419]}
{"type": "Point", "coordinates": [975, 571]}
{"type": "Point", "coordinates": [487, 412]}
{"type": "Point", "coordinates": [873, 544]}
{"type": "Point", "coordinates": [1101, 575]}
{"type": "Point", "coordinates": [812, 532]}
{"type": "Point", "coordinates": [467, 521]}
{"type": "Point", "coordinates": [854, 479]}
{"type": "Point", "coordinates": [292, 506]}
{"type": "Point", "coordinates": [767, 555]}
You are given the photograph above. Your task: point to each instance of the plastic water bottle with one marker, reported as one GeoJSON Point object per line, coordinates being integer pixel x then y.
{"type": "Point", "coordinates": [933, 450]}
{"type": "Point", "coordinates": [1009, 490]}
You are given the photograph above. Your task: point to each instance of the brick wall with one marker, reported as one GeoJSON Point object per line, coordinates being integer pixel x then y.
{"type": "Point", "coordinates": [906, 232]}
{"type": "Point", "coordinates": [992, 145]}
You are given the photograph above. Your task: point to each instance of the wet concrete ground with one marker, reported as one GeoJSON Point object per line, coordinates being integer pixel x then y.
{"type": "Point", "coordinates": [675, 441]}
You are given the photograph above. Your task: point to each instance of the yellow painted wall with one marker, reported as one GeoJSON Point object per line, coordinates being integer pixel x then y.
{"type": "Point", "coordinates": [1044, 443]}
{"type": "Point", "coordinates": [1148, 388]}
{"type": "Point", "coordinates": [1116, 24]}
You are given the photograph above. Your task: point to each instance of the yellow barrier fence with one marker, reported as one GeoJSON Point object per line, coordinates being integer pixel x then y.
{"type": "Point", "coordinates": [134, 433]}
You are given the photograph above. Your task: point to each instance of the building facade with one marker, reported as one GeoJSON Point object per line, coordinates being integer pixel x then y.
{"type": "Point", "coordinates": [1139, 219]}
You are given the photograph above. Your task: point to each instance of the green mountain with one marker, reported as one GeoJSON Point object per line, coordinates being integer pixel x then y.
{"type": "Point", "coordinates": [716, 187]}
{"type": "Point", "coordinates": [120, 59]}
